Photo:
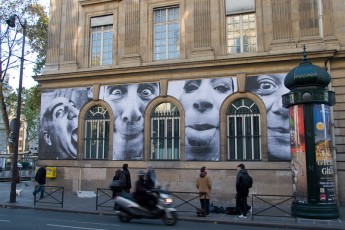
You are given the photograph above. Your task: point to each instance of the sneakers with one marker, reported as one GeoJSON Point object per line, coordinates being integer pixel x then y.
{"type": "Point", "coordinates": [242, 217]}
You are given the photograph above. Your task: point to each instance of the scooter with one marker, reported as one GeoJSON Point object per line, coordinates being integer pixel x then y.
{"type": "Point", "coordinates": [127, 208]}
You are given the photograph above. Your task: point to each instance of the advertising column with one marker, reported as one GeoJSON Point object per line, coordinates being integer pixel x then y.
{"type": "Point", "coordinates": [312, 163]}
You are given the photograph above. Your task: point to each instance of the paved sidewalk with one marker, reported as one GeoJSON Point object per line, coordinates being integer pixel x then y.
{"type": "Point", "coordinates": [75, 203]}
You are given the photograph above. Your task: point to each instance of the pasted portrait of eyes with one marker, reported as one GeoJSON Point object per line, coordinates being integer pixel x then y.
{"type": "Point", "coordinates": [219, 85]}
{"type": "Point", "coordinates": [128, 103]}
{"type": "Point", "coordinates": [61, 110]}
{"type": "Point", "coordinates": [265, 85]}
{"type": "Point", "coordinates": [202, 99]}
{"type": "Point", "coordinates": [144, 91]}
{"type": "Point", "coordinates": [58, 133]}
{"type": "Point", "coordinates": [270, 88]}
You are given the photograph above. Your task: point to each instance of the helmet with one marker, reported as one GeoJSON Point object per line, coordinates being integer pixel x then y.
{"type": "Point", "coordinates": [141, 173]}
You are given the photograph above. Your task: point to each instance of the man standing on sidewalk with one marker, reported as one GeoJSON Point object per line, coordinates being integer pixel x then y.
{"type": "Point", "coordinates": [242, 191]}
{"type": "Point", "coordinates": [128, 185]}
{"type": "Point", "coordinates": [40, 178]}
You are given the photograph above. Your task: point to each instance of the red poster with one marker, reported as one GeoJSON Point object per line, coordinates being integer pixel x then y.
{"type": "Point", "coordinates": [298, 154]}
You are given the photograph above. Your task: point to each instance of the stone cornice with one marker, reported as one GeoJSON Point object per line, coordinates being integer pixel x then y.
{"type": "Point", "coordinates": [184, 65]}
{"type": "Point", "coordinates": [90, 2]}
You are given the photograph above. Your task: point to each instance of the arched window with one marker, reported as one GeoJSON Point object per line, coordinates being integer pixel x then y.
{"type": "Point", "coordinates": [243, 130]}
{"type": "Point", "coordinates": [96, 137]}
{"type": "Point", "coordinates": [165, 132]}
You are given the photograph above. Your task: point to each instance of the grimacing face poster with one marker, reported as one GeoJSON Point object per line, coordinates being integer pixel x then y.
{"type": "Point", "coordinates": [200, 98]}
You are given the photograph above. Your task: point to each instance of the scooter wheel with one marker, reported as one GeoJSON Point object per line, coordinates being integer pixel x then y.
{"type": "Point", "coordinates": [170, 220]}
{"type": "Point", "coordinates": [124, 218]}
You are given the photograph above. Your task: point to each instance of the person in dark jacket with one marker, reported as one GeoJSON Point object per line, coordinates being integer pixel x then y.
{"type": "Point", "coordinates": [40, 178]}
{"type": "Point", "coordinates": [140, 193]}
{"type": "Point", "coordinates": [150, 178]}
{"type": "Point", "coordinates": [117, 179]}
{"type": "Point", "coordinates": [242, 191]}
{"type": "Point", "coordinates": [128, 185]}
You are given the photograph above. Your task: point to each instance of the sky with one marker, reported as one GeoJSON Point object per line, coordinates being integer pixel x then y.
{"type": "Point", "coordinates": [28, 81]}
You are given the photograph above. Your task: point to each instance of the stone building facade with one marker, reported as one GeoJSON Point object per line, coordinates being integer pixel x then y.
{"type": "Point", "coordinates": [181, 84]}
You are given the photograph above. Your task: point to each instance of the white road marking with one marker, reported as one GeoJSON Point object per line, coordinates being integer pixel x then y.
{"type": "Point", "coordinates": [82, 222]}
{"type": "Point", "coordinates": [5, 221]}
{"type": "Point", "coordinates": [66, 226]}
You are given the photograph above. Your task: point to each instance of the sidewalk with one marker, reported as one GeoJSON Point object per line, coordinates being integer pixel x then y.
{"type": "Point", "coordinates": [74, 203]}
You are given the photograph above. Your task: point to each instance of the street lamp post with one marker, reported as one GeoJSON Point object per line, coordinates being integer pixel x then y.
{"type": "Point", "coordinates": [12, 23]}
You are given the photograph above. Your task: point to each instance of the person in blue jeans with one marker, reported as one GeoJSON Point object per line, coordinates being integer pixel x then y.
{"type": "Point", "coordinates": [40, 178]}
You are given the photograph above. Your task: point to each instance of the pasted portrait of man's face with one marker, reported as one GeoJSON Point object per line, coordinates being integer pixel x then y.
{"type": "Point", "coordinates": [128, 103]}
{"type": "Point", "coordinates": [59, 123]}
{"type": "Point", "coordinates": [270, 89]}
{"type": "Point", "coordinates": [202, 100]}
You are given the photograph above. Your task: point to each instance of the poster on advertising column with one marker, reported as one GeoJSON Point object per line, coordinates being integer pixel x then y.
{"type": "Point", "coordinates": [298, 153]}
{"type": "Point", "coordinates": [324, 157]}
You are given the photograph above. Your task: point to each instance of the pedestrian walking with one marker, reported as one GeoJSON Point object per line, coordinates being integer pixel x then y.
{"type": "Point", "coordinates": [204, 185]}
{"type": "Point", "coordinates": [40, 178]}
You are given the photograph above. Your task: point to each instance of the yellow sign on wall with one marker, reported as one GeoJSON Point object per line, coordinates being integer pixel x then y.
{"type": "Point", "coordinates": [51, 172]}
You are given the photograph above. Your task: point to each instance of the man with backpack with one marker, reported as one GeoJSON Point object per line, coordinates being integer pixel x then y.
{"type": "Point", "coordinates": [243, 183]}
{"type": "Point", "coordinates": [127, 185]}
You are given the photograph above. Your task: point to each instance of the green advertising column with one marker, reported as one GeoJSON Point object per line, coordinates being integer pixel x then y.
{"type": "Point", "coordinates": [312, 161]}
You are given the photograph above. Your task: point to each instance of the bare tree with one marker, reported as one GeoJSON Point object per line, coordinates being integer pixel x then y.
{"type": "Point", "coordinates": [11, 44]}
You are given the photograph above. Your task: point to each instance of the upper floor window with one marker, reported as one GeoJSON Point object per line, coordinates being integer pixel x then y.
{"type": "Point", "coordinates": [165, 132]}
{"type": "Point", "coordinates": [96, 137]}
{"type": "Point", "coordinates": [101, 40]}
{"type": "Point", "coordinates": [243, 130]}
{"type": "Point", "coordinates": [166, 33]}
{"type": "Point", "coordinates": [241, 26]}
{"type": "Point", "coordinates": [316, 18]}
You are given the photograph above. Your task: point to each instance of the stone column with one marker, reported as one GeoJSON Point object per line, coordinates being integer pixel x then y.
{"type": "Point", "coordinates": [132, 33]}
{"type": "Point", "coordinates": [70, 35]}
{"type": "Point", "coordinates": [54, 28]}
{"type": "Point", "coordinates": [202, 30]}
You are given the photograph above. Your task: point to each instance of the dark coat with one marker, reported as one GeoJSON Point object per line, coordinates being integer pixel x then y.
{"type": "Point", "coordinates": [117, 175]}
{"type": "Point", "coordinates": [128, 179]}
{"type": "Point", "coordinates": [40, 176]}
{"type": "Point", "coordinates": [140, 193]}
{"type": "Point", "coordinates": [240, 189]}
{"type": "Point", "coordinates": [150, 179]}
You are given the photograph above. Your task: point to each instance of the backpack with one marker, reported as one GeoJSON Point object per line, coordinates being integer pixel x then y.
{"type": "Point", "coordinates": [119, 182]}
{"type": "Point", "coordinates": [247, 181]}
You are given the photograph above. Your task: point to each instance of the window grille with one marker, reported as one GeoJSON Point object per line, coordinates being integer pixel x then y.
{"type": "Point", "coordinates": [165, 132]}
{"type": "Point", "coordinates": [243, 131]}
{"type": "Point", "coordinates": [97, 133]}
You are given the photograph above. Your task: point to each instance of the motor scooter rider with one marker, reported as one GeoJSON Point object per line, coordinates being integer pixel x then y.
{"type": "Point", "coordinates": [141, 194]}
{"type": "Point", "coordinates": [151, 179]}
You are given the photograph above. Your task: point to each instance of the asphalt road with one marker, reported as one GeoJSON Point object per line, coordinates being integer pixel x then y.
{"type": "Point", "coordinates": [30, 219]}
